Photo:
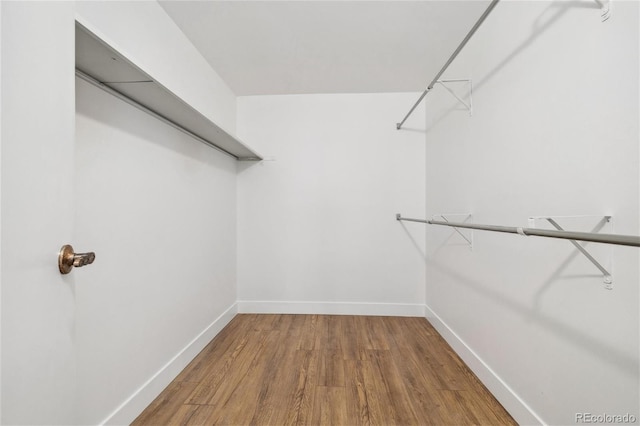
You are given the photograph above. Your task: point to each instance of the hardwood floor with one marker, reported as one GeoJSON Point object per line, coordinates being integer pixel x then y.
{"type": "Point", "coordinates": [324, 369]}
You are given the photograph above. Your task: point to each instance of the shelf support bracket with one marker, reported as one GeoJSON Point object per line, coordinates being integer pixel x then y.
{"type": "Point", "coordinates": [469, 240]}
{"type": "Point", "coordinates": [468, 106]}
{"type": "Point", "coordinates": [607, 278]}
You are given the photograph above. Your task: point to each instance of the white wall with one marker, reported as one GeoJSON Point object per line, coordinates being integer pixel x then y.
{"type": "Point", "coordinates": [554, 132]}
{"type": "Point", "coordinates": [316, 227]}
{"type": "Point", "coordinates": [159, 210]}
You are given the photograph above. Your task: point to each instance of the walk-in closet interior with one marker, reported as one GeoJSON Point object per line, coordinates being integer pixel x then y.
{"type": "Point", "coordinates": [320, 212]}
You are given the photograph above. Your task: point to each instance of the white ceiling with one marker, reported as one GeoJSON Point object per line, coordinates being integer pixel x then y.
{"type": "Point", "coordinates": [288, 47]}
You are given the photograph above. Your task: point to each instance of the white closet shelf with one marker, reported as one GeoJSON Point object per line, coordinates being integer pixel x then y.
{"type": "Point", "coordinates": [103, 66]}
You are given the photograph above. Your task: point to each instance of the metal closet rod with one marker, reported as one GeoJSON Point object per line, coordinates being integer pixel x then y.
{"type": "Point", "coordinates": [451, 58]}
{"type": "Point", "coordinates": [623, 240]}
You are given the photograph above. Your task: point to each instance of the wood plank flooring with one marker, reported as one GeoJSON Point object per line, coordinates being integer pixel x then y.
{"type": "Point", "coordinates": [325, 369]}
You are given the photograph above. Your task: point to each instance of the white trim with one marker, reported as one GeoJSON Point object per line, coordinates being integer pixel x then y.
{"type": "Point", "coordinates": [331, 308]}
{"type": "Point", "coordinates": [141, 398]}
{"type": "Point", "coordinates": [521, 412]}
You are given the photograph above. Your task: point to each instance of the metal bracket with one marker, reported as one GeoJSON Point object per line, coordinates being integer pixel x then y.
{"type": "Point", "coordinates": [468, 106]}
{"type": "Point", "coordinates": [607, 276]}
{"type": "Point", "coordinates": [468, 238]}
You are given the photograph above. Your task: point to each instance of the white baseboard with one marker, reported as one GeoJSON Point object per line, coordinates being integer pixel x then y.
{"type": "Point", "coordinates": [136, 403]}
{"type": "Point", "coordinates": [519, 410]}
{"type": "Point", "coordinates": [331, 308]}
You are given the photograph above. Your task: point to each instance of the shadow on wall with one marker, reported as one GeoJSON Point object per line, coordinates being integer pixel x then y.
{"type": "Point", "coordinates": [421, 253]}
{"type": "Point", "coordinates": [540, 25]}
{"type": "Point", "coordinates": [623, 362]}
{"type": "Point", "coordinates": [557, 273]}
{"type": "Point", "coordinates": [131, 120]}
{"type": "Point", "coordinates": [414, 130]}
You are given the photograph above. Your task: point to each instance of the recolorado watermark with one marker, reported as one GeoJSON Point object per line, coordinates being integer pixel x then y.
{"type": "Point", "coordinates": [590, 418]}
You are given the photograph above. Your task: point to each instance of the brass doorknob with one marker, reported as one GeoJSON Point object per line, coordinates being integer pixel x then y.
{"type": "Point", "coordinates": [67, 259]}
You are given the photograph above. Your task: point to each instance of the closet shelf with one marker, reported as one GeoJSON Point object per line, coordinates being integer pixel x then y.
{"type": "Point", "coordinates": [101, 65]}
